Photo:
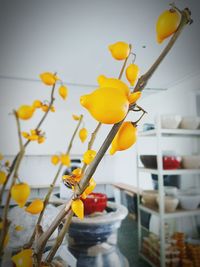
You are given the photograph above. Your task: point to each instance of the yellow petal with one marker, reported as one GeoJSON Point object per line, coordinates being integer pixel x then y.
{"type": "Point", "coordinates": [55, 159]}
{"type": "Point", "coordinates": [1, 156]}
{"type": "Point", "coordinates": [52, 109]}
{"type": "Point", "coordinates": [35, 207]}
{"type": "Point", "coordinates": [45, 107]}
{"type": "Point", "coordinates": [89, 156]}
{"type": "Point", "coordinates": [23, 258]}
{"type": "Point", "coordinates": [25, 112]}
{"type": "Point", "coordinates": [83, 133]}
{"type": "Point", "coordinates": [37, 104]}
{"type": "Point", "coordinates": [48, 78]}
{"type": "Point", "coordinates": [78, 208]}
{"type": "Point", "coordinates": [41, 139]}
{"type": "Point", "coordinates": [63, 91]}
{"type": "Point", "coordinates": [20, 193]}
{"type": "Point", "coordinates": [76, 117]}
{"type": "Point", "coordinates": [134, 97]}
{"type": "Point", "coordinates": [65, 159]}
{"type": "Point", "coordinates": [91, 187]}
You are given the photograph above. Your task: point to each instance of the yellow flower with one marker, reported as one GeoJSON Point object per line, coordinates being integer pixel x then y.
{"type": "Point", "coordinates": [20, 193]}
{"type": "Point", "coordinates": [52, 109]}
{"type": "Point", "coordinates": [78, 208]}
{"type": "Point", "coordinates": [132, 72]}
{"type": "Point", "coordinates": [63, 91]}
{"type": "Point", "coordinates": [48, 78]}
{"type": "Point", "coordinates": [125, 137]}
{"type": "Point", "coordinates": [55, 159]}
{"type": "Point", "coordinates": [167, 24]}
{"type": "Point", "coordinates": [76, 117]}
{"type": "Point", "coordinates": [35, 207]}
{"type": "Point", "coordinates": [83, 133]}
{"type": "Point", "coordinates": [41, 139]}
{"type": "Point", "coordinates": [89, 189]}
{"type": "Point", "coordinates": [23, 258]}
{"type": "Point", "coordinates": [65, 159]}
{"type": "Point", "coordinates": [25, 112]}
{"type": "Point", "coordinates": [37, 104]}
{"type": "Point", "coordinates": [45, 107]}
{"type": "Point", "coordinates": [89, 156]}
{"type": "Point", "coordinates": [119, 50]}
{"type": "Point", "coordinates": [25, 135]}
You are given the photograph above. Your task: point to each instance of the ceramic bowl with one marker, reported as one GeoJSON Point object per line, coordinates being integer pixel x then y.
{"type": "Point", "coordinates": [191, 162]}
{"type": "Point", "coordinates": [171, 190]}
{"type": "Point", "coordinates": [149, 198]}
{"type": "Point", "coordinates": [170, 203]}
{"type": "Point", "coordinates": [170, 121]}
{"type": "Point", "coordinates": [190, 123]}
{"type": "Point", "coordinates": [189, 201]}
{"type": "Point", "coordinates": [149, 161]}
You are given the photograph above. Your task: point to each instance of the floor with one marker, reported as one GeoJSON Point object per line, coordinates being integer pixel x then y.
{"type": "Point", "coordinates": [127, 242]}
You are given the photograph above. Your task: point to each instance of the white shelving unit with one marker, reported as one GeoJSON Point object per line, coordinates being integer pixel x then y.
{"type": "Point", "coordinates": [159, 133]}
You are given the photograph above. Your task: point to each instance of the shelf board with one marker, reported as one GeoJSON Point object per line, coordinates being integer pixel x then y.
{"type": "Point", "coordinates": [170, 172]}
{"type": "Point", "coordinates": [172, 132]}
{"type": "Point", "coordinates": [176, 214]}
{"type": "Point", "coordinates": [146, 259]}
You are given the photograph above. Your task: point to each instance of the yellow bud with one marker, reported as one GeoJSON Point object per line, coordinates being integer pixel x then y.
{"type": "Point", "coordinates": [65, 159]}
{"type": "Point", "coordinates": [83, 133]}
{"type": "Point", "coordinates": [89, 156]}
{"type": "Point", "coordinates": [75, 117]}
{"type": "Point", "coordinates": [37, 104]}
{"type": "Point", "coordinates": [55, 159]}
{"type": "Point", "coordinates": [45, 108]}
{"type": "Point", "coordinates": [48, 78]}
{"type": "Point", "coordinates": [41, 139]}
{"type": "Point", "coordinates": [35, 207]}
{"type": "Point", "coordinates": [63, 91]}
{"type": "Point", "coordinates": [25, 134]}
{"type": "Point", "coordinates": [25, 112]}
{"type": "Point", "coordinates": [23, 258]}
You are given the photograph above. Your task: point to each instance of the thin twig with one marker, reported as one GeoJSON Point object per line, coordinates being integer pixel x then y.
{"type": "Point", "coordinates": [14, 168]}
{"type": "Point", "coordinates": [15, 176]}
{"type": "Point", "coordinates": [60, 237]}
{"type": "Point", "coordinates": [27, 142]}
{"type": "Point", "coordinates": [48, 195]}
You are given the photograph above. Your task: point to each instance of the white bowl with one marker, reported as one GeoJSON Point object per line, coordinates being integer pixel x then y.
{"type": "Point", "coordinates": [189, 201]}
{"type": "Point", "coordinates": [191, 122]}
{"type": "Point", "coordinates": [170, 190]}
{"type": "Point", "coordinates": [170, 121]}
{"type": "Point", "coordinates": [149, 198]}
{"type": "Point", "coordinates": [170, 203]}
{"type": "Point", "coordinates": [191, 162]}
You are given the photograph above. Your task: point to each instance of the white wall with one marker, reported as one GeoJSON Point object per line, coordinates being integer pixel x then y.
{"type": "Point", "coordinates": [59, 127]}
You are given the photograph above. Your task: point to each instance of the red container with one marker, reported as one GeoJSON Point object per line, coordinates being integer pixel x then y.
{"type": "Point", "coordinates": [171, 162]}
{"type": "Point", "coordinates": [95, 202]}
